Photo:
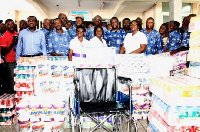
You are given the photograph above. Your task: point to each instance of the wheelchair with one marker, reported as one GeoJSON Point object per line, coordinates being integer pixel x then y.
{"type": "Point", "coordinates": [96, 95]}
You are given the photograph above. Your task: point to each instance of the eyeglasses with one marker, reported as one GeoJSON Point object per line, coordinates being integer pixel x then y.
{"type": "Point", "coordinates": [79, 31]}
{"type": "Point", "coordinates": [133, 24]}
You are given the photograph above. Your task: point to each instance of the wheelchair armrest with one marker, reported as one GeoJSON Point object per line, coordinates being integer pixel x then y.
{"type": "Point", "coordinates": [124, 79]}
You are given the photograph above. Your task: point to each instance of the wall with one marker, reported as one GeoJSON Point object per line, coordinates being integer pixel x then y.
{"type": "Point", "coordinates": [26, 14]}
{"type": "Point", "coordinates": [198, 10]}
{"type": "Point", "coordinates": [17, 18]}
{"type": "Point", "coordinates": [194, 8]}
{"type": "Point", "coordinates": [149, 13]}
{"type": "Point", "coordinates": [130, 15]}
{"type": "Point", "coordinates": [104, 14]}
{"type": "Point", "coordinates": [55, 14]}
{"type": "Point", "coordinates": [7, 14]}
{"type": "Point", "coordinates": [158, 15]}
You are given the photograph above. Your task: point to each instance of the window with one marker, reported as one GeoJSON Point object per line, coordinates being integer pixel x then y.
{"type": "Point", "coordinates": [165, 18]}
{"type": "Point", "coordinates": [165, 7]}
{"type": "Point", "coordinates": [186, 7]}
{"type": "Point", "coordinates": [186, 10]}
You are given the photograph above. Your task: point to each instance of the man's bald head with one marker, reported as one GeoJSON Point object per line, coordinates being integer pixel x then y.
{"type": "Point", "coordinates": [23, 24]}
{"type": "Point", "coordinates": [97, 20]}
{"type": "Point", "coordinates": [63, 17]}
{"type": "Point", "coordinates": [47, 24]}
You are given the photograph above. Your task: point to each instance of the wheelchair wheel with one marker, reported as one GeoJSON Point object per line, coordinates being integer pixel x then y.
{"type": "Point", "coordinates": [123, 124]}
{"type": "Point", "coordinates": [77, 126]}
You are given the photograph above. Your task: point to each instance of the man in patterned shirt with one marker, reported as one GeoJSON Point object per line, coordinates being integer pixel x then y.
{"type": "Point", "coordinates": [64, 20]}
{"type": "Point", "coordinates": [115, 36]}
{"type": "Point", "coordinates": [68, 24]}
{"type": "Point", "coordinates": [46, 28]}
{"type": "Point", "coordinates": [22, 25]}
{"type": "Point", "coordinates": [186, 34]}
{"type": "Point", "coordinates": [154, 44]}
{"type": "Point", "coordinates": [126, 25]}
{"type": "Point", "coordinates": [58, 40]}
{"type": "Point", "coordinates": [97, 22]}
{"type": "Point", "coordinates": [174, 38]}
{"type": "Point", "coordinates": [140, 21]}
{"type": "Point", "coordinates": [72, 30]}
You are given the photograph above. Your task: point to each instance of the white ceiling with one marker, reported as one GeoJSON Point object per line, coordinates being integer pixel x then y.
{"type": "Point", "coordinates": [20, 5]}
{"type": "Point", "coordinates": [74, 4]}
{"type": "Point", "coordinates": [138, 7]}
{"type": "Point", "coordinates": [133, 6]}
{"type": "Point", "coordinates": [106, 8]}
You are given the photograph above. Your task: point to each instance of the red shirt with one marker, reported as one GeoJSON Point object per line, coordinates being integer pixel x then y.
{"type": "Point", "coordinates": [0, 52]}
{"type": "Point", "coordinates": [6, 41]}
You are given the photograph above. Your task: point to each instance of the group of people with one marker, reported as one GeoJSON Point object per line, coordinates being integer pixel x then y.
{"type": "Point", "coordinates": [62, 37]}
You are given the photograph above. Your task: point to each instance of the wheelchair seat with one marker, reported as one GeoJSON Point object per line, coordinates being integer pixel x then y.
{"type": "Point", "coordinates": [104, 107]}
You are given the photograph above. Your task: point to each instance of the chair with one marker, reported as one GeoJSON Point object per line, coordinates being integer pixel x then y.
{"type": "Point", "coordinates": [96, 94]}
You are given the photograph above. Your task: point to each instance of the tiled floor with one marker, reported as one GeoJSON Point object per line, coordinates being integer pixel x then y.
{"type": "Point", "coordinates": [14, 127]}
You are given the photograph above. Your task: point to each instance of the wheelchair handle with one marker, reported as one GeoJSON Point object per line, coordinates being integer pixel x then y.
{"type": "Point", "coordinates": [124, 79]}
{"type": "Point", "coordinates": [75, 80]}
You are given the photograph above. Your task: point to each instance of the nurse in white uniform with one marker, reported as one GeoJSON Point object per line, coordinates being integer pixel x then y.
{"type": "Point", "coordinates": [135, 42]}
{"type": "Point", "coordinates": [98, 40]}
{"type": "Point", "coordinates": [78, 46]}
